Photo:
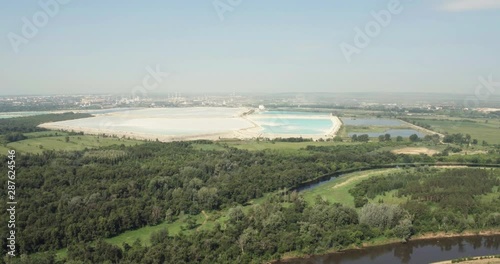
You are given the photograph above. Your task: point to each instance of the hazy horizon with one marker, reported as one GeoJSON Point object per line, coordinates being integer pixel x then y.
{"type": "Point", "coordinates": [194, 93]}
{"type": "Point", "coordinates": [89, 47]}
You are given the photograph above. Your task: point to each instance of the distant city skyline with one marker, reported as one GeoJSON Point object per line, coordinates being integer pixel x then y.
{"type": "Point", "coordinates": [221, 46]}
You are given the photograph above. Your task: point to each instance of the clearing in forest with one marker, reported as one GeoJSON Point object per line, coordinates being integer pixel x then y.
{"type": "Point", "coordinates": [415, 151]}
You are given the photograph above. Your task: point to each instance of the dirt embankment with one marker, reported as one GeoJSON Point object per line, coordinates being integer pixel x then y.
{"type": "Point", "coordinates": [475, 260]}
{"type": "Point", "coordinates": [425, 130]}
{"type": "Point", "coordinates": [415, 151]}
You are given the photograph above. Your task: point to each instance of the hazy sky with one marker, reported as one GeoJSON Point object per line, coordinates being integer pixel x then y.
{"type": "Point", "coordinates": [248, 45]}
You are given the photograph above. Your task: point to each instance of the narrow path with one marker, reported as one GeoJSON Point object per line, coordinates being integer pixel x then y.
{"type": "Point", "coordinates": [419, 128]}
{"type": "Point", "coordinates": [374, 173]}
{"type": "Point", "coordinates": [367, 175]}
{"type": "Point", "coordinates": [204, 222]}
{"type": "Point", "coordinates": [317, 181]}
{"type": "Point", "coordinates": [337, 124]}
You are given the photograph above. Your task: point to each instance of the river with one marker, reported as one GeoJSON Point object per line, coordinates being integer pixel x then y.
{"type": "Point", "coordinates": [416, 251]}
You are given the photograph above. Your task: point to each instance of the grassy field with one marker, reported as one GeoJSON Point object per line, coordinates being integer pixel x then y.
{"type": "Point", "coordinates": [144, 233]}
{"type": "Point", "coordinates": [215, 146]}
{"type": "Point", "coordinates": [480, 129]}
{"type": "Point", "coordinates": [337, 190]}
{"type": "Point", "coordinates": [3, 150]}
{"type": "Point", "coordinates": [490, 197]}
{"type": "Point", "coordinates": [356, 112]}
{"type": "Point", "coordinates": [262, 145]}
{"type": "Point", "coordinates": [49, 133]}
{"type": "Point", "coordinates": [38, 143]}
{"type": "Point", "coordinates": [370, 129]}
{"type": "Point", "coordinates": [416, 145]}
{"type": "Point", "coordinates": [343, 112]}
{"type": "Point", "coordinates": [389, 198]}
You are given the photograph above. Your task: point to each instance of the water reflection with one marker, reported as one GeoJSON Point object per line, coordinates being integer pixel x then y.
{"type": "Point", "coordinates": [421, 251]}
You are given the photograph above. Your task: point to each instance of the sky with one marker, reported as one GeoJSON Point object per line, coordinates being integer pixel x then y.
{"type": "Point", "coordinates": [243, 46]}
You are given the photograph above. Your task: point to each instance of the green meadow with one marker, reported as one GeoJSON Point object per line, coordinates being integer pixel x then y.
{"type": "Point", "coordinates": [253, 145]}
{"type": "Point", "coordinates": [480, 129]}
{"type": "Point", "coordinates": [39, 141]}
{"type": "Point", "coordinates": [337, 190]}
{"type": "Point", "coordinates": [4, 150]}
{"type": "Point", "coordinates": [368, 129]}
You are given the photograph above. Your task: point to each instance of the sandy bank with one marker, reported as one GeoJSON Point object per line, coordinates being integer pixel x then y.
{"type": "Point", "coordinates": [179, 125]}
{"type": "Point", "coordinates": [141, 136]}
{"type": "Point", "coordinates": [476, 260]}
{"type": "Point", "coordinates": [415, 151]}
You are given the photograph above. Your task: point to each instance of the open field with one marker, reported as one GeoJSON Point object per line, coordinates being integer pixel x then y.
{"type": "Point", "coordinates": [337, 190]}
{"type": "Point", "coordinates": [343, 112]}
{"type": "Point", "coordinates": [252, 145]}
{"type": "Point", "coordinates": [262, 145]}
{"type": "Point", "coordinates": [208, 147]}
{"type": "Point", "coordinates": [49, 133]}
{"type": "Point", "coordinates": [490, 197]}
{"type": "Point", "coordinates": [79, 142]}
{"type": "Point", "coordinates": [372, 129]}
{"type": "Point", "coordinates": [415, 151]}
{"type": "Point", "coordinates": [389, 198]}
{"type": "Point", "coordinates": [480, 129]}
{"type": "Point", "coordinates": [3, 150]}
{"type": "Point", "coordinates": [357, 112]}
{"type": "Point", "coordinates": [414, 147]}
{"type": "Point", "coordinates": [143, 234]}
